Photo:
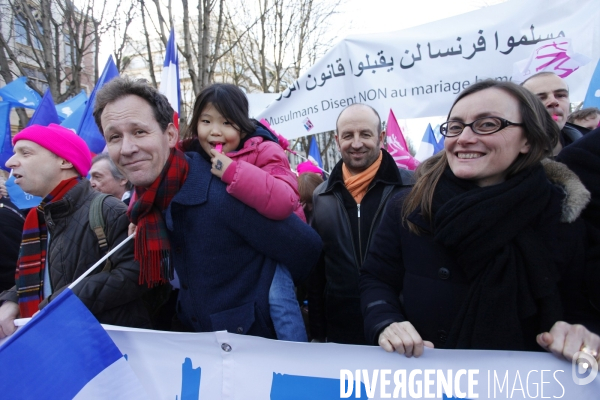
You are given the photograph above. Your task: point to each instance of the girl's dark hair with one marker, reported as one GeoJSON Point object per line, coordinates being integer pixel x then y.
{"type": "Point", "coordinates": [229, 101]}
{"type": "Point", "coordinates": [539, 129]}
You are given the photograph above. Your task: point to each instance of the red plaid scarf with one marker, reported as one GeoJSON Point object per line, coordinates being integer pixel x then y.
{"type": "Point", "coordinates": [29, 276]}
{"type": "Point", "coordinates": [152, 247]}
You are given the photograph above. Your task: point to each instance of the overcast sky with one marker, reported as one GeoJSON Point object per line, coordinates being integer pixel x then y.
{"type": "Point", "coordinates": [376, 16]}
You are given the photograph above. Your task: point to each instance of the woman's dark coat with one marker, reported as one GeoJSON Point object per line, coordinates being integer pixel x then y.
{"type": "Point", "coordinates": [410, 278]}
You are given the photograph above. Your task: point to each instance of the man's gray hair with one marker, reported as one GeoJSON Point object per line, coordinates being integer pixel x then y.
{"type": "Point", "coordinates": [113, 168]}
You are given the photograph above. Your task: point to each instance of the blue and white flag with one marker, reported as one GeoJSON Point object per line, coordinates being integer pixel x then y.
{"type": "Point", "coordinates": [19, 94]}
{"type": "Point", "coordinates": [429, 145]}
{"type": "Point", "coordinates": [46, 113]}
{"type": "Point", "coordinates": [88, 130]}
{"type": "Point", "coordinates": [314, 154]}
{"type": "Point", "coordinates": [6, 148]}
{"type": "Point", "coordinates": [592, 97]}
{"type": "Point", "coordinates": [64, 353]}
{"type": "Point", "coordinates": [21, 199]}
{"type": "Point", "coordinates": [73, 121]}
{"type": "Point", "coordinates": [67, 108]}
{"type": "Point", "coordinates": [169, 78]}
{"type": "Point", "coordinates": [439, 138]}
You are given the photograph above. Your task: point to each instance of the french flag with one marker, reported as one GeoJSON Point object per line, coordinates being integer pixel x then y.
{"type": "Point", "coordinates": [429, 144]}
{"type": "Point", "coordinates": [169, 78]}
{"type": "Point", "coordinates": [64, 353]}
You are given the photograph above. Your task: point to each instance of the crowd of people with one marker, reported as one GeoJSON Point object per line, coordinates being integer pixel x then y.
{"type": "Point", "coordinates": [493, 243]}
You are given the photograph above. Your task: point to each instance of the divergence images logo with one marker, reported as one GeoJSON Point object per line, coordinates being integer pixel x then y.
{"type": "Point", "coordinates": [584, 368]}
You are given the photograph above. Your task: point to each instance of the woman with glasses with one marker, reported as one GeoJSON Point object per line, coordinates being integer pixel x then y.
{"type": "Point", "coordinates": [486, 251]}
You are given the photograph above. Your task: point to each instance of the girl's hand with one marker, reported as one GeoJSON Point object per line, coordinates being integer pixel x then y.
{"type": "Point", "coordinates": [220, 162]}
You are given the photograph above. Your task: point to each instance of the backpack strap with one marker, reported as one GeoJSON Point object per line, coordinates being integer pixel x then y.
{"type": "Point", "coordinates": [98, 225]}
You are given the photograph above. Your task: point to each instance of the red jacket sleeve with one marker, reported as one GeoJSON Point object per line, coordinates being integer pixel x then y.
{"type": "Point", "coordinates": [269, 186]}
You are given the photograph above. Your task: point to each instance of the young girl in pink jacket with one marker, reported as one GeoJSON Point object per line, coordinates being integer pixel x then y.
{"type": "Point", "coordinates": [248, 158]}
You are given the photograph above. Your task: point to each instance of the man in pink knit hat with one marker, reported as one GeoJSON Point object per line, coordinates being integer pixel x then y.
{"type": "Point", "coordinates": [58, 243]}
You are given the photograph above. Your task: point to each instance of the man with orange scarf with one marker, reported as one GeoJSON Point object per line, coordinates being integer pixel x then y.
{"type": "Point", "coordinates": [347, 209]}
{"type": "Point", "coordinates": [58, 244]}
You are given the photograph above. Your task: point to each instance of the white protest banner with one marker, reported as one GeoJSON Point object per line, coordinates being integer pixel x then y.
{"type": "Point", "coordinates": [418, 72]}
{"type": "Point", "coordinates": [221, 365]}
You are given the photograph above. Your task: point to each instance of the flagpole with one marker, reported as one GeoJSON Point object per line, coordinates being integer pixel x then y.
{"type": "Point", "coordinates": [301, 156]}
{"type": "Point", "coordinates": [100, 261]}
{"type": "Point", "coordinates": [23, 321]}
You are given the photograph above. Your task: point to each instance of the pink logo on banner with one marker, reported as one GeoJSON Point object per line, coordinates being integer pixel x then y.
{"type": "Point", "coordinates": [396, 145]}
{"type": "Point", "coordinates": [307, 124]}
{"type": "Point", "coordinates": [557, 57]}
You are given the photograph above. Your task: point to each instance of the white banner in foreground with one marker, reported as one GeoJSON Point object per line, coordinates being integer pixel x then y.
{"type": "Point", "coordinates": [419, 71]}
{"type": "Point", "coordinates": [220, 365]}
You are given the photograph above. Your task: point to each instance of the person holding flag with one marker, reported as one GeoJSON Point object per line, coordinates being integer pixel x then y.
{"type": "Point", "coordinates": [58, 243]}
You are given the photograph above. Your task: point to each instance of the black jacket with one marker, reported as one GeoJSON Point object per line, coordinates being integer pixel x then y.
{"type": "Point", "coordinates": [114, 297]}
{"type": "Point", "coordinates": [11, 230]}
{"type": "Point", "coordinates": [583, 158]}
{"type": "Point", "coordinates": [333, 298]}
{"type": "Point", "coordinates": [433, 286]}
{"type": "Point", "coordinates": [570, 134]}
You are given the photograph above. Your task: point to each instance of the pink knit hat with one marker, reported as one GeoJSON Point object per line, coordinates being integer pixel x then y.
{"type": "Point", "coordinates": [308, 166]}
{"type": "Point", "coordinates": [61, 141]}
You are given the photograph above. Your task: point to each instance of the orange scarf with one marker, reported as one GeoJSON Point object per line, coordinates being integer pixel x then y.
{"type": "Point", "coordinates": [358, 184]}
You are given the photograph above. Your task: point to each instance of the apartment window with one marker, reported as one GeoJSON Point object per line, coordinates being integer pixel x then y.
{"type": "Point", "coordinates": [20, 30]}
{"type": "Point", "coordinates": [37, 77]}
{"type": "Point", "coordinates": [21, 33]}
{"type": "Point", "coordinates": [68, 50]}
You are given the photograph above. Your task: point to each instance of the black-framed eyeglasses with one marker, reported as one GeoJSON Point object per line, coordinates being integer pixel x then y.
{"type": "Point", "coordinates": [481, 126]}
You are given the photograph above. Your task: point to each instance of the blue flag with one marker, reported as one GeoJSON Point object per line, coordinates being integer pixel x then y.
{"type": "Point", "coordinates": [314, 154]}
{"type": "Point", "coordinates": [64, 353]}
{"type": "Point", "coordinates": [429, 145]}
{"type": "Point", "coordinates": [67, 108]}
{"type": "Point", "coordinates": [46, 113]}
{"type": "Point", "coordinates": [6, 148]}
{"type": "Point", "coordinates": [592, 97]}
{"type": "Point", "coordinates": [74, 120]}
{"type": "Point", "coordinates": [88, 130]}
{"type": "Point", "coordinates": [20, 198]}
{"type": "Point", "coordinates": [19, 94]}
{"type": "Point", "coordinates": [439, 138]}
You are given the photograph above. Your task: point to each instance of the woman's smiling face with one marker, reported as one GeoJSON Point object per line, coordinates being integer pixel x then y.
{"type": "Point", "coordinates": [484, 159]}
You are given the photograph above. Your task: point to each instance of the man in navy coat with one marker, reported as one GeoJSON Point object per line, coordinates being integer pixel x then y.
{"type": "Point", "coordinates": [223, 251]}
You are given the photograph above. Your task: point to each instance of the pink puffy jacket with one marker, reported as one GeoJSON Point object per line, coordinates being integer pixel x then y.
{"type": "Point", "coordinates": [260, 177]}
